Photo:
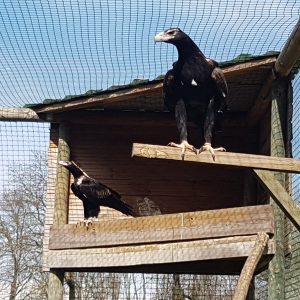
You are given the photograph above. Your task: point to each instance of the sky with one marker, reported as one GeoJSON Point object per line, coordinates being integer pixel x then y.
{"type": "Point", "coordinates": [50, 49]}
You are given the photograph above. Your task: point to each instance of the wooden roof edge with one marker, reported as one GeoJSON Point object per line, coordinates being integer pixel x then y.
{"type": "Point", "coordinates": [129, 92]}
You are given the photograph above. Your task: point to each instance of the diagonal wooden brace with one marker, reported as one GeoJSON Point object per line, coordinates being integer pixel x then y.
{"type": "Point", "coordinates": [250, 266]}
{"type": "Point", "coordinates": [280, 195]}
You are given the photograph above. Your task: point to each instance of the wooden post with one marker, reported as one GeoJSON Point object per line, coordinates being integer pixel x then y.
{"type": "Point", "coordinates": [290, 53]}
{"type": "Point", "coordinates": [19, 114]}
{"type": "Point", "coordinates": [250, 266]}
{"type": "Point", "coordinates": [276, 266]}
{"type": "Point", "coordinates": [56, 276]}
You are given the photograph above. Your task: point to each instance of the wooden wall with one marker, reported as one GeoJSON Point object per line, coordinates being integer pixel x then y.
{"type": "Point", "coordinates": [104, 152]}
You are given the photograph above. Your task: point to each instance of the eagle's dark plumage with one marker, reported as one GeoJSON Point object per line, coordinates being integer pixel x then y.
{"type": "Point", "coordinates": [195, 89]}
{"type": "Point", "coordinates": [94, 194]}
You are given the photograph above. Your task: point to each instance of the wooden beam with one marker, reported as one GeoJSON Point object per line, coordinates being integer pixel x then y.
{"type": "Point", "coordinates": [231, 159]}
{"type": "Point", "coordinates": [155, 254]}
{"type": "Point", "coordinates": [289, 54]}
{"type": "Point", "coordinates": [56, 277]}
{"type": "Point", "coordinates": [55, 290]}
{"type": "Point", "coordinates": [19, 114]}
{"type": "Point", "coordinates": [62, 179]}
{"type": "Point", "coordinates": [248, 270]}
{"type": "Point", "coordinates": [137, 91]}
{"type": "Point", "coordinates": [165, 228]}
{"type": "Point", "coordinates": [276, 274]}
{"type": "Point", "coordinates": [280, 196]}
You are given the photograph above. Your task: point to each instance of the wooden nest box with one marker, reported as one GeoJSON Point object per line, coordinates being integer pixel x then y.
{"type": "Point", "coordinates": [197, 215]}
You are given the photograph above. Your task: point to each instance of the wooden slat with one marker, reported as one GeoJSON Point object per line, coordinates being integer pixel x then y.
{"type": "Point", "coordinates": [230, 247]}
{"type": "Point", "coordinates": [165, 228]}
{"type": "Point", "coordinates": [130, 93]}
{"type": "Point", "coordinates": [222, 158]}
{"type": "Point", "coordinates": [280, 196]}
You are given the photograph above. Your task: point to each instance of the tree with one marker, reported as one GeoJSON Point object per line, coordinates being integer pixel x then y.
{"type": "Point", "coordinates": [22, 213]}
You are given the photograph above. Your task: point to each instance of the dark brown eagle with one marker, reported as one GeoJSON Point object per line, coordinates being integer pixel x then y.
{"type": "Point", "coordinates": [194, 89]}
{"type": "Point", "coordinates": [94, 194]}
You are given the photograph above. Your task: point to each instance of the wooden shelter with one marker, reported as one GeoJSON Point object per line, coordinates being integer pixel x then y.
{"type": "Point", "coordinates": [197, 215]}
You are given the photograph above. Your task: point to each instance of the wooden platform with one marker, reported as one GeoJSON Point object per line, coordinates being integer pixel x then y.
{"type": "Point", "coordinates": [207, 238]}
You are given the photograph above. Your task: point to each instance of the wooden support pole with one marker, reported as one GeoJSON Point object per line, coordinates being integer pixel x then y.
{"type": "Point", "coordinates": [56, 276]}
{"type": "Point", "coordinates": [229, 159]}
{"type": "Point", "coordinates": [19, 114]}
{"type": "Point", "coordinates": [276, 288]}
{"type": "Point", "coordinates": [250, 266]}
{"type": "Point", "coordinates": [55, 287]}
{"type": "Point", "coordinates": [289, 54]}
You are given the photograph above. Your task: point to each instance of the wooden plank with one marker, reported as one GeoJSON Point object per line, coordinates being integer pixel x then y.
{"type": "Point", "coordinates": [165, 228]}
{"type": "Point", "coordinates": [240, 160]}
{"type": "Point", "coordinates": [248, 270]}
{"type": "Point", "coordinates": [152, 88]}
{"type": "Point", "coordinates": [19, 114]}
{"type": "Point", "coordinates": [289, 54]}
{"type": "Point", "coordinates": [230, 247]}
{"type": "Point", "coordinates": [280, 196]}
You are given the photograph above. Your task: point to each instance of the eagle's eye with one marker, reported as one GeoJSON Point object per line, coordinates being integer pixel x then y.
{"type": "Point", "coordinates": [172, 31]}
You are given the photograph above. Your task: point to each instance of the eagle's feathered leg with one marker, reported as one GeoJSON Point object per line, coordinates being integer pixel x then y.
{"type": "Point", "coordinates": [181, 122]}
{"type": "Point", "coordinates": [208, 129]}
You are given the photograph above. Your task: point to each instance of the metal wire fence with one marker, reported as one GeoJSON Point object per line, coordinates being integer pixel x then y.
{"type": "Point", "coordinates": [52, 49]}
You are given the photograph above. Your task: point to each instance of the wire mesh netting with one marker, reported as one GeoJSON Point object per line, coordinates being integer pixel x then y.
{"type": "Point", "coordinates": [51, 49]}
{"type": "Point", "coordinates": [54, 49]}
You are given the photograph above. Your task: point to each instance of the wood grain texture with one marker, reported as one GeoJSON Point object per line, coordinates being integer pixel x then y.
{"type": "Point", "coordinates": [19, 114]}
{"type": "Point", "coordinates": [222, 158]}
{"type": "Point", "coordinates": [290, 53]}
{"type": "Point", "coordinates": [248, 270]}
{"type": "Point", "coordinates": [104, 153]}
{"type": "Point", "coordinates": [280, 196]}
{"type": "Point", "coordinates": [165, 228]}
{"type": "Point", "coordinates": [230, 247]}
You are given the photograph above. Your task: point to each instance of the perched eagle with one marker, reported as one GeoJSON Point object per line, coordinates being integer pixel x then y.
{"type": "Point", "coordinates": [195, 89]}
{"type": "Point", "coordinates": [94, 194]}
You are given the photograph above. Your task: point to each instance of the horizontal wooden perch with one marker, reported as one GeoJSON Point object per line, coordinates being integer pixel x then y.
{"type": "Point", "coordinates": [165, 228]}
{"type": "Point", "coordinates": [280, 164]}
{"type": "Point", "coordinates": [149, 257]}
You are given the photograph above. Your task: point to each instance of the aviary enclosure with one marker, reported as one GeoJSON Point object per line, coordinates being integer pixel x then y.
{"type": "Point", "coordinates": [82, 81]}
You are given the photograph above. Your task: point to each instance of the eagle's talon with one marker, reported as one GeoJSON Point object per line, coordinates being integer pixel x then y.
{"type": "Point", "coordinates": [183, 146]}
{"type": "Point", "coordinates": [208, 147]}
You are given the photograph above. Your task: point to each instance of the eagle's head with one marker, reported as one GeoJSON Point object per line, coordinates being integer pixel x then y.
{"type": "Point", "coordinates": [72, 167]}
{"type": "Point", "coordinates": [171, 36]}
{"type": "Point", "coordinates": [66, 164]}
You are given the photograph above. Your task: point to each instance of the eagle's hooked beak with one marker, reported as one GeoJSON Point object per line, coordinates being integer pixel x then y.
{"type": "Point", "coordinates": [63, 163]}
{"type": "Point", "coordinates": [161, 37]}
